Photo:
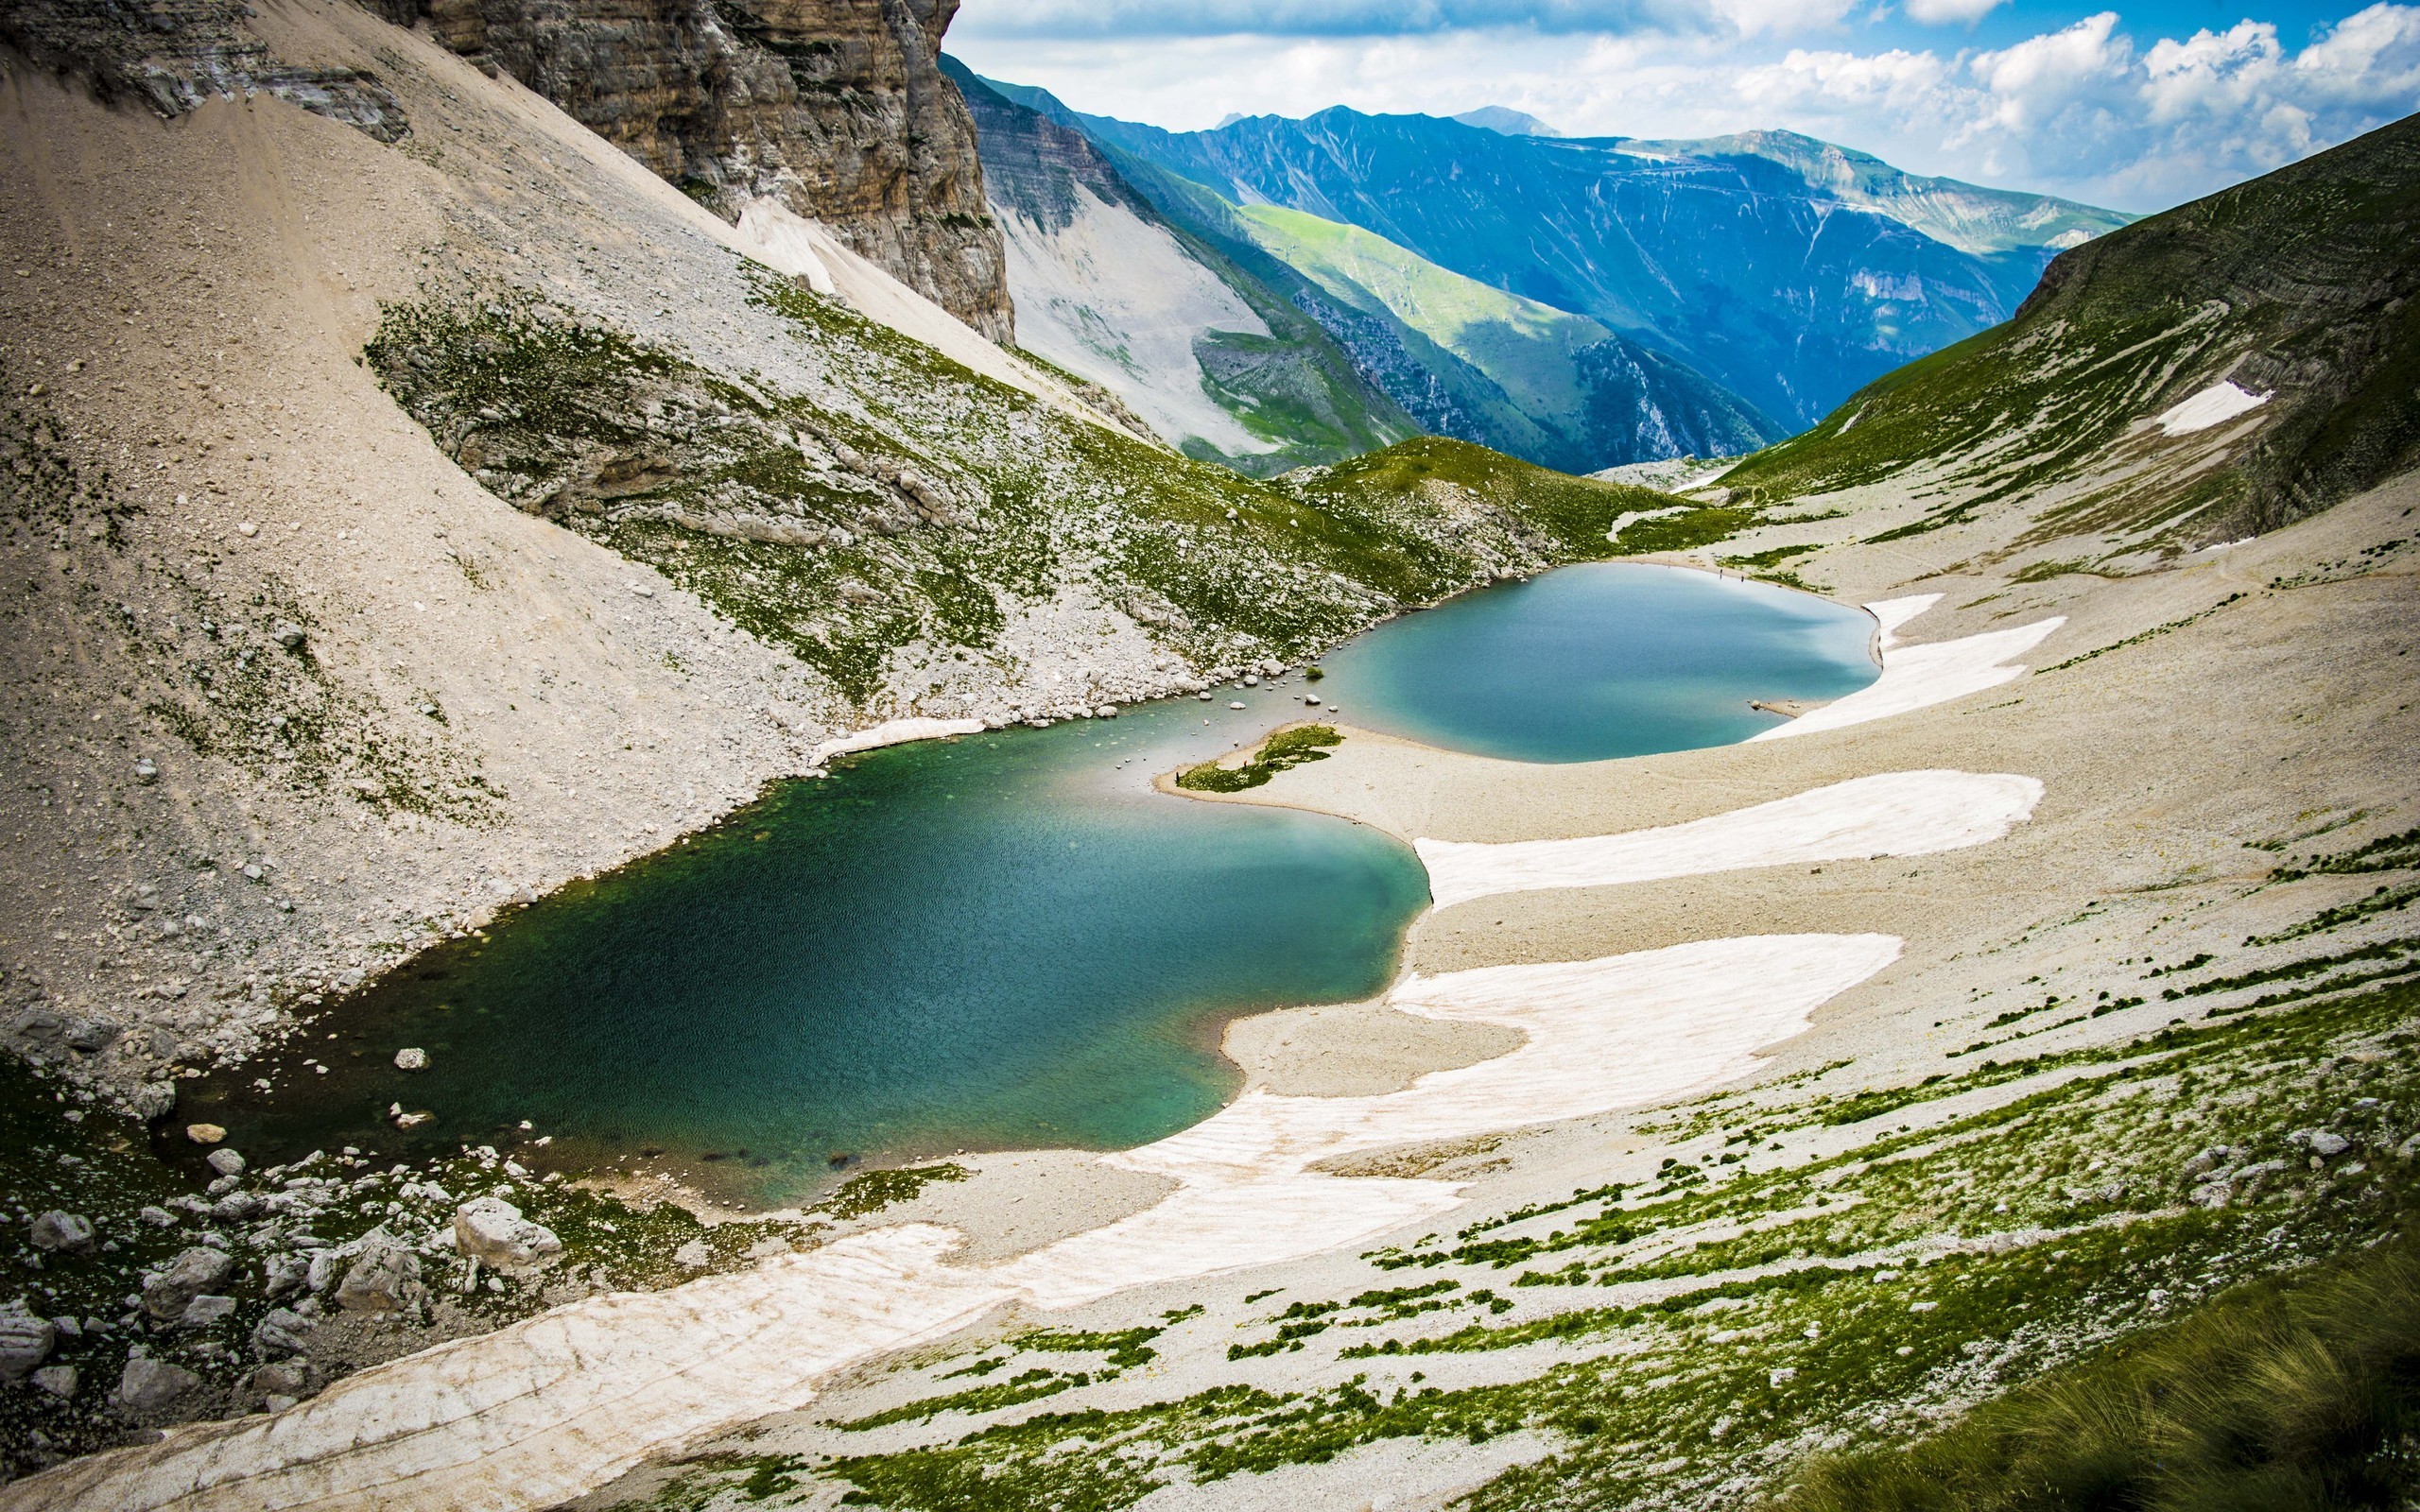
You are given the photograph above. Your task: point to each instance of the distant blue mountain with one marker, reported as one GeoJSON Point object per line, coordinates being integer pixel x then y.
{"type": "Point", "coordinates": [1785, 270]}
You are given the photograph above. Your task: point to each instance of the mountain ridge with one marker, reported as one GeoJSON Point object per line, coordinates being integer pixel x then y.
{"type": "Point", "coordinates": [1624, 231]}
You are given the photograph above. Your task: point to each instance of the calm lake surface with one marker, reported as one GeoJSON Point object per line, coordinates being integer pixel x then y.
{"type": "Point", "coordinates": [1008, 941]}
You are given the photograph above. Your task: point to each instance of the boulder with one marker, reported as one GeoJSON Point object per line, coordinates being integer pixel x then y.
{"type": "Point", "coordinates": [24, 1341]}
{"type": "Point", "coordinates": [411, 1058]}
{"type": "Point", "coordinates": [226, 1162]}
{"type": "Point", "coordinates": [288, 1271]}
{"type": "Point", "coordinates": [285, 1378]}
{"type": "Point", "coordinates": [152, 1100]}
{"type": "Point", "coordinates": [2326, 1143]}
{"type": "Point", "coordinates": [493, 1229]}
{"type": "Point", "coordinates": [58, 1380]}
{"type": "Point", "coordinates": [150, 1385]}
{"type": "Point", "coordinates": [205, 1310]}
{"type": "Point", "coordinates": [385, 1278]}
{"type": "Point", "coordinates": [64, 1233]}
{"type": "Point", "coordinates": [282, 1331]}
{"type": "Point", "coordinates": [169, 1290]}
{"type": "Point", "coordinates": [92, 1036]}
{"type": "Point", "coordinates": [204, 1133]}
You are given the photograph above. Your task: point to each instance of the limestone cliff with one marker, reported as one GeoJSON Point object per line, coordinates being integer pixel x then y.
{"type": "Point", "coordinates": [835, 107]}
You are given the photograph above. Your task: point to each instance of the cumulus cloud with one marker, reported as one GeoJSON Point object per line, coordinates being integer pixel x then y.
{"type": "Point", "coordinates": [1945, 12]}
{"type": "Point", "coordinates": [2088, 111]}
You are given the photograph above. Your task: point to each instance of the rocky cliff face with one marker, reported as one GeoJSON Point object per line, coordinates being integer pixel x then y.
{"type": "Point", "coordinates": [835, 107]}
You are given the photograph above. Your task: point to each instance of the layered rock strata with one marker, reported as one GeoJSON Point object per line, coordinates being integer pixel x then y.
{"type": "Point", "coordinates": [838, 108]}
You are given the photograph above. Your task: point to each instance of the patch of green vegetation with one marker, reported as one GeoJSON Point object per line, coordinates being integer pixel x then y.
{"type": "Point", "coordinates": [2129, 323]}
{"type": "Point", "coordinates": [2294, 970]}
{"type": "Point", "coordinates": [2139, 637]}
{"type": "Point", "coordinates": [1285, 748]}
{"type": "Point", "coordinates": [1772, 559]}
{"type": "Point", "coordinates": [1124, 1348]}
{"type": "Point", "coordinates": [711, 1477]}
{"type": "Point", "coordinates": [1815, 1301]}
{"type": "Point", "coordinates": [2388, 852]}
{"type": "Point", "coordinates": [2042, 571]}
{"type": "Point", "coordinates": [877, 1190]}
{"type": "Point", "coordinates": [1027, 1386]}
{"type": "Point", "coordinates": [2302, 1392]}
{"type": "Point", "coordinates": [1703, 525]}
{"type": "Point", "coordinates": [912, 507]}
{"type": "Point", "coordinates": [2383, 900]}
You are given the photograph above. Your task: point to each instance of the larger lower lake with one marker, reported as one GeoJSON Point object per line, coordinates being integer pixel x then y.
{"type": "Point", "coordinates": [1007, 940]}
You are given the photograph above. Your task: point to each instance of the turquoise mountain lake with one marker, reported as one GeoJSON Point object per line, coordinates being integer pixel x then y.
{"type": "Point", "coordinates": [1008, 941]}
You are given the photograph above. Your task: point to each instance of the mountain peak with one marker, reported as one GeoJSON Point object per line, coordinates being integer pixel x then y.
{"type": "Point", "coordinates": [1506, 121]}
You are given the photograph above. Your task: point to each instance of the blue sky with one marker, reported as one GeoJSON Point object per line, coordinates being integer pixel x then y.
{"type": "Point", "coordinates": [2136, 106]}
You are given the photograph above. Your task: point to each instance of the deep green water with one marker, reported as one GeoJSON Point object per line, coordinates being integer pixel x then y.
{"type": "Point", "coordinates": [1007, 940]}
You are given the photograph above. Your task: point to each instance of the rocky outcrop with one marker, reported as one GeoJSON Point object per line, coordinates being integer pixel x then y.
{"type": "Point", "coordinates": [172, 54]}
{"type": "Point", "coordinates": [838, 108]}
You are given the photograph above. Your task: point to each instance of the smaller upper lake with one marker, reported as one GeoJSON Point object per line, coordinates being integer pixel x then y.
{"type": "Point", "coordinates": [1011, 940]}
{"type": "Point", "coordinates": [1589, 662]}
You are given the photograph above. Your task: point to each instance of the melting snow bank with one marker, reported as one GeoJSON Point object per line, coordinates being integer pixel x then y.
{"type": "Point", "coordinates": [892, 732]}
{"type": "Point", "coordinates": [1890, 613]}
{"type": "Point", "coordinates": [2214, 405]}
{"type": "Point", "coordinates": [1918, 677]}
{"type": "Point", "coordinates": [546, 1410]}
{"type": "Point", "coordinates": [1895, 814]}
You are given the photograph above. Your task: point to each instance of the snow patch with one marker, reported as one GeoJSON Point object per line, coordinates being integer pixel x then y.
{"type": "Point", "coordinates": [2215, 405]}
{"type": "Point", "coordinates": [1890, 613]}
{"type": "Point", "coordinates": [892, 732]}
{"type": "Point", "coordinates": [1918, 677]}
{"type": "Point", "coordinates": [1895, 814]}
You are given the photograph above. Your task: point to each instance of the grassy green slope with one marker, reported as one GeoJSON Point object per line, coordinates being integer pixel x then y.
{"type": "Point", "coordinates": [1464, 359]}
{"type": "Point", "coordinates": [910, 506]}
{"type": "Point", "coordinates": [2302, 1392]}
{"type": "Point", "coordinates": [1524, 346]}
{"type": "Point", "coordinates": [2298, 285]}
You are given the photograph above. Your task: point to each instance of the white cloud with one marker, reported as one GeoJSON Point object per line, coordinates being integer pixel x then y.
{"type": "Point", "coordinates": [1945, 12]}
{"type": "Point", "coordinates": [2086, 111]}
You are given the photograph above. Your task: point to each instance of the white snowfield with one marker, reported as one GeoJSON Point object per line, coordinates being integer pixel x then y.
{"type": "Point", "coordinates": [1895, 814]}
{"type": "Point", "coordinates": [550, 1408]}
{"type": "Point", "coordinates": [1918, 677]}
{"type": "Point", "coordinates": [2214, 405]}
{"type": "Point", "coordinates": [892, 732]}
{"type": "Point", "coordinates": [790, 243]}
{"type": "Point", "coordinates": [1119, 301]}
{"type": "Point", "coordinates": [1890, 613]}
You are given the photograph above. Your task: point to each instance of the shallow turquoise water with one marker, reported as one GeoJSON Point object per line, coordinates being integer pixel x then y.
{"type": "Point", "coordinates": [1008, 941]}
{"type": "Point", "coordinates": [1594, 661]}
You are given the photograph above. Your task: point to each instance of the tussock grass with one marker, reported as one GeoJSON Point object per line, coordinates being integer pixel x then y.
{"type": "Point", "coordinates": [2273, 1395]}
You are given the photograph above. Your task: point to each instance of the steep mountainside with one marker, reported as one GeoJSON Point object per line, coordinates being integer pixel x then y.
{"type": "Point", "coordinates": [1106, 288]}
{"type": "Point", "coordinates": [379, 538]}
{"type": "Point", "coordinates": [2223, 368]}
{"type": "Point", "coordinates": [836, 108]}
{"type": "Point", "coordinates": [1558, 390]}
{"type": "Point", "coordinates": [1786, 275]}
